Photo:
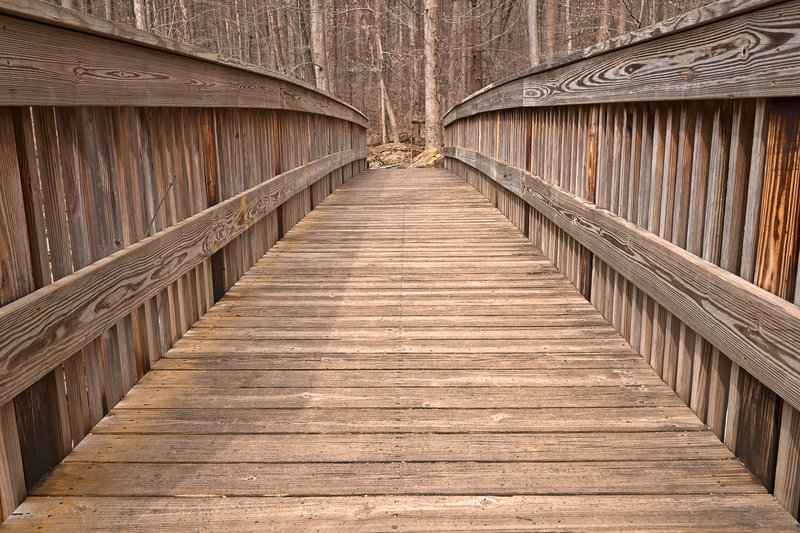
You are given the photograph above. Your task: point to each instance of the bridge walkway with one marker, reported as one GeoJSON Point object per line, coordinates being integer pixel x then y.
{"type": "Point", "coordinates": [404, 359]}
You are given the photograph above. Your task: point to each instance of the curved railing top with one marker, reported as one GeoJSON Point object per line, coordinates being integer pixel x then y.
{"type": "Point", "coordinates": [134, 67]}
{"type": "Point", "coordinates": [697, 55]}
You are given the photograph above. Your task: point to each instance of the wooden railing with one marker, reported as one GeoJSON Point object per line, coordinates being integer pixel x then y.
{"type": "Point", "coordinates": [140, 180]}
{"type": "Point", "coordinates": [661, 174]}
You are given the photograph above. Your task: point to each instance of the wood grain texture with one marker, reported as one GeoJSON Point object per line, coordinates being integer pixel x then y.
{"type": "Point", "coordinates": [712, 300]}
{"type": "Point", "coordinates": [407, 513]}
{"type": "Point", "coordinates": [417, 478]}
{"type": "Point", "coordinates": [775, 268]}
{"type": "Point", "coordinates": [396, 351]}
{"type": "Point", "coordinates": [745, 56]}
{"type": "Point", "coordinates": [787, 472]}
{"type": "Point", "coordinates": [80, 306]}
{"type": "Point", "coordinates": [118, 65]}
{"type": "Point", "coordinates": [16, 280]}
{"type": "Point", "coordinates": [504, 94]}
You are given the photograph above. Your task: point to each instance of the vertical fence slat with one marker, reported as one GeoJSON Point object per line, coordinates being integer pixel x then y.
{"type": "Point", "coordinates": [15, 282]}
{"type": "Point", "coordinates": [775, 271]}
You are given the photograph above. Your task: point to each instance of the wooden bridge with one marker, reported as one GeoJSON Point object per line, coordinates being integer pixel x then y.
{"type": "Point", "coordinates": [214, 318]}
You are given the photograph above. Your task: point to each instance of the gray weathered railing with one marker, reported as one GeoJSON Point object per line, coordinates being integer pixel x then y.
{"type": "Point", "coordinates": [140, 179]}
{"type": "Point", "coordinates": [661, 174]}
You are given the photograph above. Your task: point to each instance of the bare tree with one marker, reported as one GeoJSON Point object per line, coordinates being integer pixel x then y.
{"type": "Point", "coordinates": [433, 119]}
{"type": "Point", "coordinates": [475, 71]}
{"type": "Point", "coordinates": [386, 104]}
{"type": "Point", "coordinates": [139, 13]}
{"type": "Point", "coordinates": [534, 44]}
{"type": "Point", "coordinates": [318, 43]}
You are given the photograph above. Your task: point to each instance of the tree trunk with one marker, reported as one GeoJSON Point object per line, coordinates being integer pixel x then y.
{"type": "Point", "coordinates": [333, 50]}
{"type": "Point", "coordinates": [383, 115]}
{"type": "Point", "coordinates": [305, 41]}
{"type": "Point", "coordinates": [476, 53]}
{"type": "Point", "coordinates": [464, 31]}
{"type": "Point", "coordinates": [568, 24]}
{"type": "Point", "coordinates": [347, 56]}
{"type": "Point", "coordinates": [390, 113]}
{"type": "Point", "coordinates": [386, 104]}
{"type": "Point", "coordinates": [657, 12]}
{"type": "Point", "coordinates": [533, 32]}
{"type": "Point", "coordinates": [257, 30]}
{"type": "Point", "coordinates": [318, 51]}
{"type": "Point", "coordinates": [418, 66]}
{"type": "Point", "coordinates": [239, 45]}
{"type": "Point", "coordinates": [433, 119]}
{"type": "Point", "coordinates": [186, 29]}
{"type": "Point", "coordinates": [605, 24]}
{"type": "Point", "coordinates": [552, 14]}
{"type": "Point", "coordinates": [278, 34]}
{"type": "Point", "coordinates": [138, 13]}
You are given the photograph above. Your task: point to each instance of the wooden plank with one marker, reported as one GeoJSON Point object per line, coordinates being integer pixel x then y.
{"type": "Point", "coordinates": [99, 206]}
{"type": "Point", "coordinates": [53, 391]}
{"type": "Point", "coordinates": [787, 463]}
{"type": "Point", "coordinates": [733, 231]}
{"type": "Point", "coordinates": [787, 470]}
{"type": "Point", "coordinates": [683, 194]}
{"type": "Point", "coordinates": [130, 179]}
{"type": "Point", "coordinates": [440, 346]}
{"type": "Point", "coordinates": [524, 361]}
{"type": "Point", "coordinates": [60, 262]}
{"type": "Point", "coordinates": [775, 267]}
{"type": "Point", "coordinates": [74, 315]}
{"type": "Point", "coordinates": [365, 420]}
{"type": "Point", "coordinates": [16, 280]}
{"type": "Point", "coordinates": [777, 255]}
{"type": "Point", "coordinates": [438, 478]}
{"type": "Point", "coordinates": [70, 154]}
{"type": "Point", "coordinates": [31, 194]}
{"type": "Point", "coordinates": [712, 243]}
{"type": "Point", "coordinates": [692, 288]}
{"type": "Point", "coordinates": [322, 396]}
{"type": "Point", "coordinates": [410, 333]}
{"type": "Point", "coordinates": [490, 442]}
{"type": "Point", "coordinates": [543, 318]}
{"type": "Point", "coordinates": [426, 513]}
{"type": "Point", "coordinates": [405, 378]}
{"type": "Point", "coordinates": [627, 69]}
{"type": "Point", "coordinates": [135, 69]}
{"type": "Point", "coordinates": [630, 74]}
{"type": "Point", "coordinates": [391, 379]}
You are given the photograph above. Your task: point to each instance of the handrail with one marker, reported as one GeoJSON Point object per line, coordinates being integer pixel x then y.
{"type": "Point", "coordinates": [755, 328]}
{"type": "Point", "coordinates": [39, 331]}
{"type": "Point", "coordinates": [659, 172]}
{"type": "Point", "coordinates": [57, 56]}
{"type": "Point", "coordinates": [652, 64]}
{"type": "Point", "coordinates": [107, 135]}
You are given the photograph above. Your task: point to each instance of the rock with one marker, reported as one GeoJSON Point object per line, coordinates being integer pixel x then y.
{"type": "Point", "coordinates": [427, 159]}
{"type": "Point", "coordinates": [397, 155]}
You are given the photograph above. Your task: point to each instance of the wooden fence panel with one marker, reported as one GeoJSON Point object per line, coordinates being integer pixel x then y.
{"type": "Point", "coordinates": [717, 178]}
{"type": "Point", "coordinates": [84, 183]}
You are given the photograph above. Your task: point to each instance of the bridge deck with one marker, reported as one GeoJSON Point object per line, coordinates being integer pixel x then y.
{"type": "Point", "coordinates": [406, 359]}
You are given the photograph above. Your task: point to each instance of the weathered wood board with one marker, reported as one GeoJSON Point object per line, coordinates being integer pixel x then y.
{"type": "Point", "coordinates": [413, 366]}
